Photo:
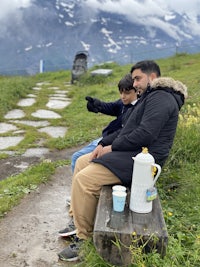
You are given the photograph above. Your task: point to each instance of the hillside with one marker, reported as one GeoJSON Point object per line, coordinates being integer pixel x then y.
{"type": "Point", "coordinates": [178, 185]}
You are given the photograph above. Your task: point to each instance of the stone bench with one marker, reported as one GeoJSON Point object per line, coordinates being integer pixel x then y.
{"type": "Point", "coordinates": [127, 229]}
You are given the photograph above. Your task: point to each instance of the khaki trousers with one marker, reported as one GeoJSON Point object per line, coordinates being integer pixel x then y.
{"type": "Point", "coordinates": [87, 181]}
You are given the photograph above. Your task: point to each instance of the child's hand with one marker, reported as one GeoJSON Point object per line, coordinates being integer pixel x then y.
{"type": "Point", "coordinates": [93, 104]}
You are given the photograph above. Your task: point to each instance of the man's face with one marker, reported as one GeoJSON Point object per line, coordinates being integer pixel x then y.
{"type": "Point", "coordinates": [141, 80]}
{"type": "Point", "coordinates": [128, 97]}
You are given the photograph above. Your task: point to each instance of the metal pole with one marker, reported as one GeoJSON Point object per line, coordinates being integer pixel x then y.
{"type": "Point", "coordinates": [41, 66]}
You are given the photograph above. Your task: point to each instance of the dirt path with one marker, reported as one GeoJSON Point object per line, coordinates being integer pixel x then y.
{"type": "Point", "coordinates": [29, 233]}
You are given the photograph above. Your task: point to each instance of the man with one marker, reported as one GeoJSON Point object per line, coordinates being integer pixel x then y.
{"type": "Point", "coordinates": [152, 123]}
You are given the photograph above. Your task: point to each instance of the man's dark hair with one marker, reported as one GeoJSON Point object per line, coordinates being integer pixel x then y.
{"type": "Point", "coordinates": [126, 83]}
{"type": "Point", "coordinates": [147, 66]}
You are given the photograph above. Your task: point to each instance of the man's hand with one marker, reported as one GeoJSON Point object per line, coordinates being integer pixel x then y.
{"type": "Point", "coordinates": [93, 104]}
{"type": "Point", "coordinates": [100, 151]}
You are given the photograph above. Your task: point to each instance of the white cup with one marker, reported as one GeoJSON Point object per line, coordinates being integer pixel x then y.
{"type": "Point", "coordinates": [120, 188]}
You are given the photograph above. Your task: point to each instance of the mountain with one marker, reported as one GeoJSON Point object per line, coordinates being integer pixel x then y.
{"type": "Point", "coordinates": [53, 31]}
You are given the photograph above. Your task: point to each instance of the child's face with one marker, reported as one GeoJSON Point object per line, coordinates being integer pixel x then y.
{"type": "Point", "coordinates": [128, 97]}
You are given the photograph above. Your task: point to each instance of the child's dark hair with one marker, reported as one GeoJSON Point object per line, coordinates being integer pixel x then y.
{"type": "Point", "coordinates": [147, 66]}
{"type": "Point", "coordinates": [126, 83]}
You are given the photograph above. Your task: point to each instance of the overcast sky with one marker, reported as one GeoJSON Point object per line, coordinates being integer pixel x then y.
{"type": "Point", "coordinates": [147, 12]}
{"type": "Point", "coordinates": [8, 7]}
{"type": "Point", "coordinates": [134, 9]}
{"type": "Point", "coordinates": [126, 7]}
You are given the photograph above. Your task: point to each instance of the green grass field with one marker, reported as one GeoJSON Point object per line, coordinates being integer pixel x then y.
{"type": "Point", "coordinates": [180, 203]}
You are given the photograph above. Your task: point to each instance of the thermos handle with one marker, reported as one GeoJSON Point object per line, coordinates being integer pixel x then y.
{"type": "Point", "coordinates": [158, 172]}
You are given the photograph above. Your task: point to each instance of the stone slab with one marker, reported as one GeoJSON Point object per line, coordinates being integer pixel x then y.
{"type": "Point", "coordinates": [104, 72]}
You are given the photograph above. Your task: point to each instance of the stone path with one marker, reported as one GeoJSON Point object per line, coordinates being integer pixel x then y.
{"type": "Point", "coordinates": [40, 120]}
{"type": "Point", "coordinates": [29, 232]}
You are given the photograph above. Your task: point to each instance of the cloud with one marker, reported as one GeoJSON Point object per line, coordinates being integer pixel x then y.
{"type": "Point", "coordinates": [141, 8]}
{"type": "Point", "coordinates": [192, 8]}
{"type": "Point", "coordinates": [153, 13]}
{"type": "Point", "coordinates": [11, 6]}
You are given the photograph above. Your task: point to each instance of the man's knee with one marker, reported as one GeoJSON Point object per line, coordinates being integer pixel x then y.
{"type": "Point", "coordinates": [83, 161]}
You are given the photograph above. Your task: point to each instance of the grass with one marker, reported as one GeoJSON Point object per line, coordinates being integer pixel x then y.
{"type": "Point", "coordinates": [179, 183]}
{"type": "Point", "coordinates": [11, 90]}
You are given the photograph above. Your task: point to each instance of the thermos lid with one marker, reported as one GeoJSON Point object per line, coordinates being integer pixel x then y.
{"type": "Point", "coordinates": [144, 156]}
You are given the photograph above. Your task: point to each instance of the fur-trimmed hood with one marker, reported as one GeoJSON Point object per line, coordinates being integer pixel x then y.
{"type": "Point", "coordinates": [177, 88]}
{"type": "Point", "coordinates": [170, 83]}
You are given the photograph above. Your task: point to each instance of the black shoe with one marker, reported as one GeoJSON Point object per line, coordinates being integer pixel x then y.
{"type": "Point", "coordinates": [71, 253]}
{"type": "Point", "coordinates": [69, 230]}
